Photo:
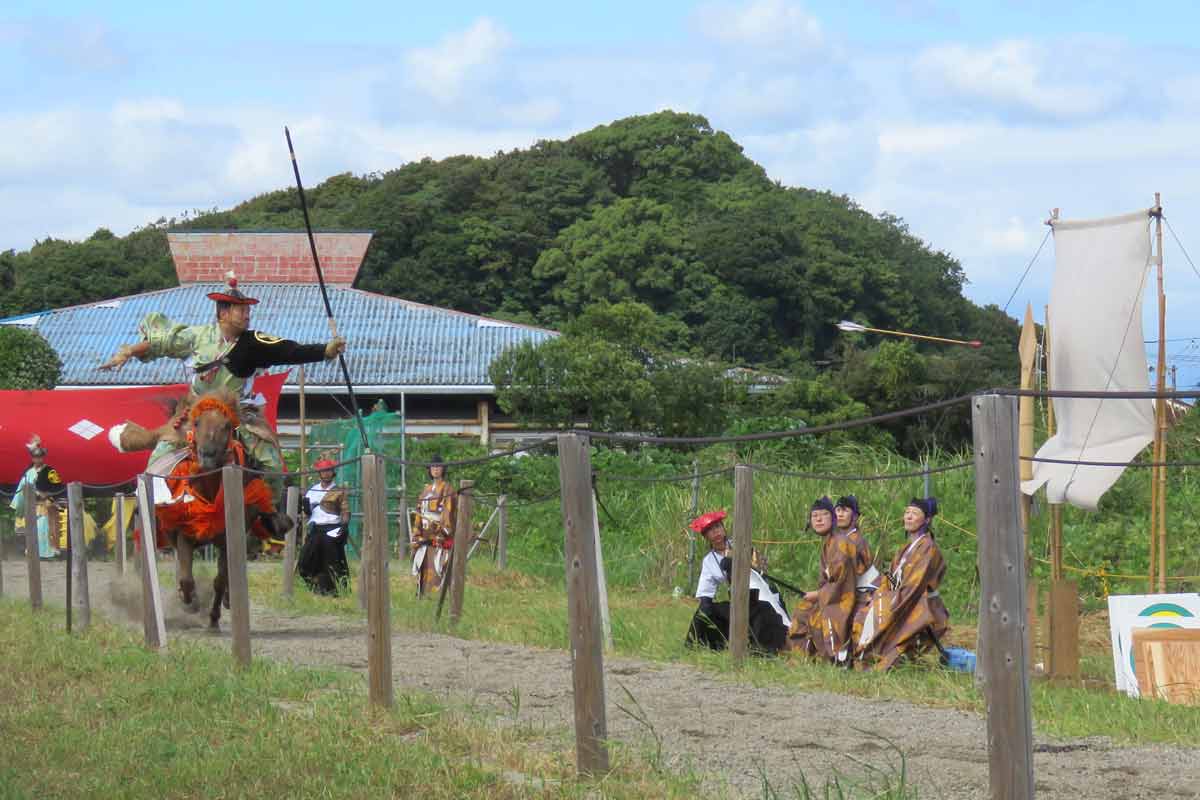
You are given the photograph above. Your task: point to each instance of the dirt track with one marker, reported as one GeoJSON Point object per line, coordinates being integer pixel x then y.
{"type": "Point", "coordinates": [734, 731]}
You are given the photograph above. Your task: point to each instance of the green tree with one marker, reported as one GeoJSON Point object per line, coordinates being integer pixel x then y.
{"type": "Point", "coordinates": [27, 361]}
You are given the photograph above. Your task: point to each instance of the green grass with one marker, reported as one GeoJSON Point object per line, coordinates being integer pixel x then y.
{"type": "Point", "coordinates": [98, 716]}
{"type": "Point", "coordinates": [516, 608]}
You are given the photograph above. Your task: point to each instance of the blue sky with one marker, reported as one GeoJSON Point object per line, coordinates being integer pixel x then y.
{"type": "Point", "coordinates": [969, 121]}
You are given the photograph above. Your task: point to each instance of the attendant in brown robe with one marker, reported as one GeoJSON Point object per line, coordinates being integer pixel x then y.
{"type": "Point", "coordinates": [866, 576]}
{"type": "Point", "coordinates": [907, 615]}
{"type": "Point", "coordinates": [822, 622]}
{"type": "Point", "coordinates": [433, 529]}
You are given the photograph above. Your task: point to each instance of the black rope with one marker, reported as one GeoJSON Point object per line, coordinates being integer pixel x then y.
{"type": "Point", "coordinates": [920, 473]}
{"type": "Point", "coordinates": [669, 479]}
{"type": "Point", "coordinates": [1132, 464]}
{"type": "Point", "coordinates": [469, 461]}
{"type": "Point", "coordinates": [1024, 274]}
{"type": "Point", "coordinates": [771, 435]}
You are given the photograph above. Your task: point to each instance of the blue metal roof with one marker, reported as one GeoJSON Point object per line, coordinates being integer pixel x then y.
{"type": "Point", "coordinates": [390, 342]}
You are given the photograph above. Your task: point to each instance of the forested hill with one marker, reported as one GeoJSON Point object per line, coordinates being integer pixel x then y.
{"type": "Point", "coordinates": [660, 209]}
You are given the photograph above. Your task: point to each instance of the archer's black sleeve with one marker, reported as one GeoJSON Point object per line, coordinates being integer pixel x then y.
{"type": "Point", "coordinates": [257, 350]}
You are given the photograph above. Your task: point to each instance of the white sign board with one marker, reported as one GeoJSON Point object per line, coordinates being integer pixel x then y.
{"type": "Point", "coordinates": [1130, 611]}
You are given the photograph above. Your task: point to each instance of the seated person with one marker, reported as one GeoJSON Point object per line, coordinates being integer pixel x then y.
{"type": "Point", "coordinates": [867, 577]}
{"type": "Point", "coordinates": [822, 625]}
{"type": "Point", "coordinates": [710, 624]}
{"type": "Point", "coordinates": [322, 561]}
{"type": "Point", "coordinates": [907, 615]}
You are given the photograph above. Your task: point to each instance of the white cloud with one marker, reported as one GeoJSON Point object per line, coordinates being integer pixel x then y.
{"type": "Point", "coordinates": [442, 71]}
{"type": "Point", "coordinates": [1012, 237]}
{"type": "Point", "coordinates": [1015, 73]}
{"type": "Point", "coordinates": [761, 23]}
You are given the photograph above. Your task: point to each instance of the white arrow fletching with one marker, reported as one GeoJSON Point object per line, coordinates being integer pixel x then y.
{"type": "Point", "coordinates": [851, 327]}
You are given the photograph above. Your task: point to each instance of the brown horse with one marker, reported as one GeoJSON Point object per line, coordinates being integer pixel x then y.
{"type": "Point", "coordinates": [196, 518]}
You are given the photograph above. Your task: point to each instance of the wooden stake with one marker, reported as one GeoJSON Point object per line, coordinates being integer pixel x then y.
{"type": "Point", "coordinates": [502, 534]}
{"type": "Point", "coordinates": [1002, 639]}
{"type": "Point", "coordinates": [739, 589]}
{"type": "Point", "coordinates": [583, 605]}
{"type": "Point", "coordinates": [33, 564]}
{"type": "Point", "coordinates": [379, 598]}
{"type": "Point", "coordinates": [1160, 408]}
{"type": "Point", "coordinates": [235, 551]}
{"type": "Point", "coordinates": [153, 625]}
{"type": "Point", "coordinates": [289, 541]}
{"type": "Point", "coordinates": [80, 602]}
{"type": "Point", "coordinates": [1063, 606]}
{"type": "Point", "coordinates": [464, 532]}
{"type": "Point", "coordinates": [601, 579]}
{"type": "Point", "coordinates": [120, 529]}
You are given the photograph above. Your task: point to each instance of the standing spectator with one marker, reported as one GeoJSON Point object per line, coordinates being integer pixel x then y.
{"type": "Point", "coordinates": [322, 562]}
{"type": "Point", "coordinates": [42, 485]}
{"type": "Point", "coordinates": [433, 529]}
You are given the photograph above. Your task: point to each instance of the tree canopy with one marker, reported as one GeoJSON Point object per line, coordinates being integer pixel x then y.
{"type": "Point", "coordinates": [658, 210]}
{"type": "Point", "coordinates": [27, 361]}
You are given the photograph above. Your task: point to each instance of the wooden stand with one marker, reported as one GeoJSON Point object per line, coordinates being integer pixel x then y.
{"type": "Point", "coordinates": [33, 566]}
{"type": "Point", "coordinates": [1062, 612]}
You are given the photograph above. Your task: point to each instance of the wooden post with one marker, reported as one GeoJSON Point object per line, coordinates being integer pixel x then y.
{"type": "Point", "coordinates": [1002, 636]}
{"type": "Point", "coordinates": [483, 412]}
{"type": "Point", "coordinates": [739, 589]}
{"type": "Point", "coordinates": [463, 533]}
{"type": "Point", "coordinates": [693, 512]}
{"type": "Point", "coordinates": [403, 534]}
{"type": "Point", "coordinates": [502, 534]}
{"type": "Point", "coordinates": [119, 529]}
{"type": "Point", "coordinates": [364, 552]}
{"type": "Point", "coordinates": [289, 541]}
{"type": "Point", "coordinates": [1063, 622]}
{"type": "Point", "coordinates": [33, 565]}
{"type": "Point", "coordinates": [153, 626]}
{"type": "Point", "coordinates": [81, 602]}
{"type": "Point", "coordinates": [1160, 406]}
{"type": "Point", "coordinates": [379, 599]}
{"type": "Point", "coordinates": [583, 605]}
{"type": "Point", "coordinates": [601, 579]}
{"type": "Point", "coordinates": [303, 422]}
{"type": "Point", "coordinates": [235, 552]}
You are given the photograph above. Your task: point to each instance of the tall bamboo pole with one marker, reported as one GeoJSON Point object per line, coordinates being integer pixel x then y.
{"type": "Point", "coordinates": [303, 425]}
{"type": "Point", "coordinates": [1160, 405]}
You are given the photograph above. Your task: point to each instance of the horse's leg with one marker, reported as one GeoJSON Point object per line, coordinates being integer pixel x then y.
{"type": "Point", "coordinates": [220, 586]}
{"type": "Point", "coordinates": [185, 548]}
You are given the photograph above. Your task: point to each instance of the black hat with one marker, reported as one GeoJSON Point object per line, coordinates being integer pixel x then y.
{"type": "Point", "coordinates": [928, 506]}
{"type": "Point", "coordinates": [232, 295]}
{"type": "Point", "coordinates": [436, 461]}
{"type": "Point", "coordinates": [848, 501]}
{"type": "Point", "coordinates": [822, 504]}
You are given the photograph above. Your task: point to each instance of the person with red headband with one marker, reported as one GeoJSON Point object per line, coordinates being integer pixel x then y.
{"type": "Point", "coordinates": [907, 615]}
{"type": "Point", "coordinates": [710, 624]}
{"type": "Point", "coordinates": [322, 562]}
{"type": "Point", "coordinates": [223, 354]}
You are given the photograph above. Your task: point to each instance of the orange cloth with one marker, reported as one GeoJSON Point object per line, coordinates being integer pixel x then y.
{"type": "Point", "coordinates": [201, 520]}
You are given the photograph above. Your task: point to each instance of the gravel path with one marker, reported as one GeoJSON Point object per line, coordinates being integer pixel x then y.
{"type": "Point", "coordinates": [774, 731]}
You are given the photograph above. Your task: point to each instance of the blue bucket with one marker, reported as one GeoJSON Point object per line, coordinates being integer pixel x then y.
{"type": "Point", "coordinates": [960, 659]}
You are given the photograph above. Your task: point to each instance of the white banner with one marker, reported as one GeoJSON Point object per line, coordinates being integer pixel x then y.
{"type": "Point", "coordinates": [1096, 345]}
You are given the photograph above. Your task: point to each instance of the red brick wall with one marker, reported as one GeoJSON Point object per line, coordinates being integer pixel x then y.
{"type": "Point", "coordinates": [266, 257]}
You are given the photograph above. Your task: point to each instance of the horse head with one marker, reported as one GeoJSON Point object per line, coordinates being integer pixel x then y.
{"type": "Point", "coordinates": [214, 418]}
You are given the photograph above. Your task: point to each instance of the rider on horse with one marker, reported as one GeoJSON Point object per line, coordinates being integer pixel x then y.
{"type": "Point", "coordinates": [224, 354]}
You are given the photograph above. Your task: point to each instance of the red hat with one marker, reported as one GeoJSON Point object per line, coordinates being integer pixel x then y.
{"type": "Point", "coordinates": [324, 464]}
{"type": "Point", "coordinates": [702, 522]}
{"type": "Point", "coordinates": [234, 295]}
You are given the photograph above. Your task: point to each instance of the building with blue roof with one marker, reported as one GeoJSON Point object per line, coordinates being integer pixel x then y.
{"type": "Point", "coordinates": [432, 362]}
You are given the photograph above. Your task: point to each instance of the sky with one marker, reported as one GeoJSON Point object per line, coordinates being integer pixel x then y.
{"type": "Point", "coordinates": [969, 121]}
